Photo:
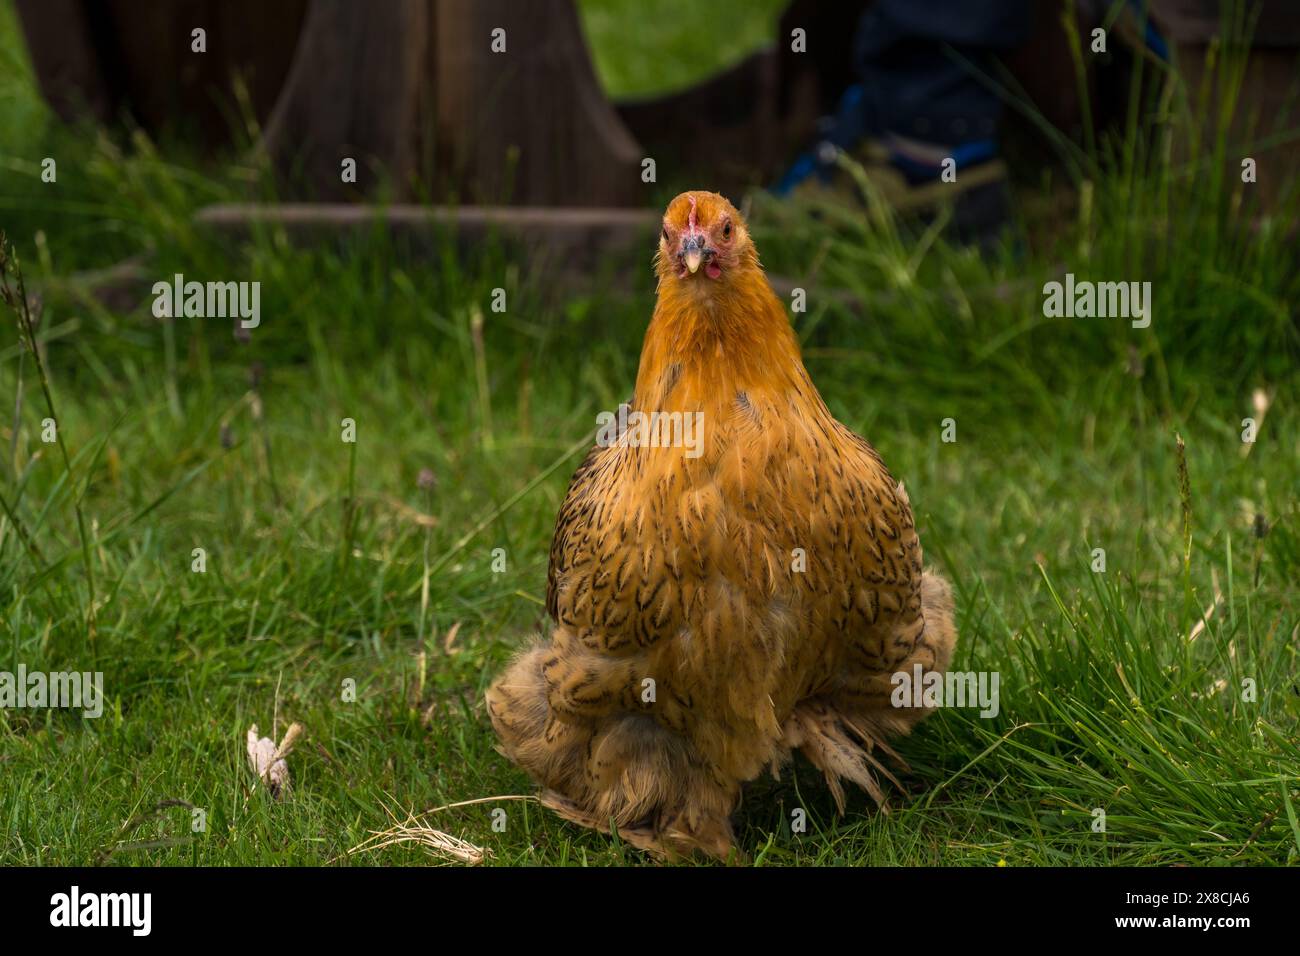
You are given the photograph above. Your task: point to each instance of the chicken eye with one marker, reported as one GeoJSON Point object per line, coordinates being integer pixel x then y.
{"type": "Point", "coordinates": [726, 230]}
{"type": "Point", "coordinates": [664, 233]}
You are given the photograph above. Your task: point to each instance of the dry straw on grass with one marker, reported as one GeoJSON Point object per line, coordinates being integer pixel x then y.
{"type": "Point", "coordinates": [415, 829]}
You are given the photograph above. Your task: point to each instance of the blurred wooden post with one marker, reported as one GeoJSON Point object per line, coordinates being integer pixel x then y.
{"type": "Point", "coordinates": [358, 88]}
{"type": "Point", "coordinates": [409, 88]}
{"type": "Point", "coordinates": [530, 125]}
{"type": "Point", "coordinates": [99, 59]}
{"type": "Point", "coordinates": [413, 88]}
{"type": "Point", "coordinates": [1261, 126]}
{"type": "Point", "coordinates": [67, 65]}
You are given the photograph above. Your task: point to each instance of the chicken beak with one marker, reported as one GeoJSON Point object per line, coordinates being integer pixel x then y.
{"type": "Point", "coordinates": [692, 260]}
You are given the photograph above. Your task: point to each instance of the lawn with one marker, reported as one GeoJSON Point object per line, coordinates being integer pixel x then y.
{"type": "Point", "coordinates": [1149, 711]}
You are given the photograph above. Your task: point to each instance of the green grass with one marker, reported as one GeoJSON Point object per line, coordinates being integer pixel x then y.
{"type": "Point", "coordinates": [658, 46]}
{"type": "Point", "coordinates": [317, 551]}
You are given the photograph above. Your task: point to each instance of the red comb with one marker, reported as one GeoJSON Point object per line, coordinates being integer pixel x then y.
{"type": "Point", "coordinates": [691, 224]}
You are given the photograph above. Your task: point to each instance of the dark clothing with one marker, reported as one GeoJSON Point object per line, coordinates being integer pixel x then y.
{"type": "Point", "coordinates": [927, 69]}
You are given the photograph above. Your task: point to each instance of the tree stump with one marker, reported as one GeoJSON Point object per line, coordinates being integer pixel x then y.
{"type": "Point", "coordinates": [109, 59]}
{"type": "Point", "coordinates": [359, 89]}
{"type": "Point", "coordinates": [530, 125]}
{"type": "Point", "coordinates": [479, 100]}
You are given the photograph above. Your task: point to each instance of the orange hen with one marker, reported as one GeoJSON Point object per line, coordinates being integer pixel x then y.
{"type": "Point", "coordinates": [721, 604]}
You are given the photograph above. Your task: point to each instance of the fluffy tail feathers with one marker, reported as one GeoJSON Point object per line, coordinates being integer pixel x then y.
{"type": "Point", "coordinates": [842, 739]}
